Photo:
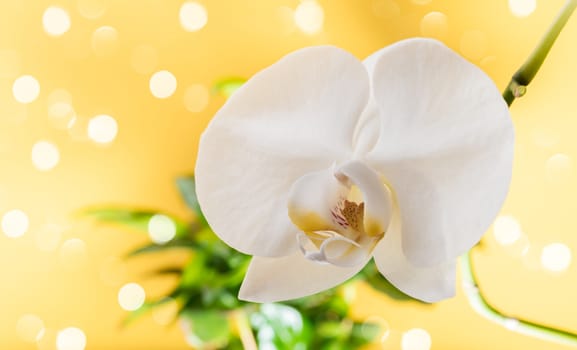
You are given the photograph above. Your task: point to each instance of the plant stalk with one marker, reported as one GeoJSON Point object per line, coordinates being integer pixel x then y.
{"type": "Point", "coordinates": [240, 320]}
{"type": "Point", "coordinates": [480, 304]}
{"type": "Point", "coordinates": [517, 88]}
{"type": "Point", "coordinates": [518, 84]}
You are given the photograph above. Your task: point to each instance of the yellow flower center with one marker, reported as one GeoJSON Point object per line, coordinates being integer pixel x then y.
{"type": "Point", "coordinates": [341, 214]}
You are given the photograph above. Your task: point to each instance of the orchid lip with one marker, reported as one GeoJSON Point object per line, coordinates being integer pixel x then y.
{"type": "Point", "coordinates": [342, 213]}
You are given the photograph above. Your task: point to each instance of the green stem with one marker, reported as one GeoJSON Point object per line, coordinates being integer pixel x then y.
{"type": "Point", "coordinates": [240, 320]}
{"type": "Point", "coordinates": [518, 84]}
{"type": "Point", "coordinates": [517, 88]}
{"type": "Point", "coordinates": [487, 310]}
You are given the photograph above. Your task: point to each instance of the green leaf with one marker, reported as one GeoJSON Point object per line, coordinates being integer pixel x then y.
{"type": "Point", "coordinates": [194, 274]}
{"type": "Point", "coordinates": [166, 271]}
{"type": "Point", "coordinates": [208, 329]}
{"type": "Point", "coordinates": [227, 86]}
{"type": "Point", "coordinates": [281, 327]}
{"type": "Point", "coordinates": [209, 286]}
{"type": "Point", "coordinates": [333, 329]}
{"type": "Point", "coordinates": [364, 333]}
{"type": "Point", "coordinates": [235, 277]}
{"type": "Point", "coordinates": [373, 277]}
{"type": "Point", "coordinates": [143, 310]}
{"type": "Point", "coordinates": [187, 188]}
{"type": "Point", "coordinates": [155, 248]}
{"type": "Point", "coordinates": [235, 344]}
{"type": "Point", "coordinates": [133, 218]}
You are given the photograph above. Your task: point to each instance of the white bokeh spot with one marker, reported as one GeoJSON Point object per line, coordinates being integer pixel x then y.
{"type": "Point", "coordinates": [161, 229]}
{"type": "Point", "coordinates": [30, 328]}
{"type": "Point", "coordinates": [193, 16]}
{"type": "Point", "coordinates": [55, 21]}
{"type": "Point", "coordinates": [162, 84]}
{"type": "Point", "coordinates": [105, 41]}
{"type": "Point", "coordinates": [102, 128]}
{"type": "Point", "coordinates": [131, 296]}
{"type": "Point", "coordinates": [416, 339]}
{"type": "Point", "coordinates": [556, 257]}
{"type": "Point", "coordinates": [15, 223]}
{"type": "Point", "coordinates": [26, 89]}
{"type": "Point", "coordinates": [71, 338]}
{"type": "Point", "coordinates": [522, 8]}
{"type": "Point", "coordinates": [309, 17]}
{"type": "Point", "coordinates": [506, 230]}
{"type": "Point", "coordinates": [45, 155]}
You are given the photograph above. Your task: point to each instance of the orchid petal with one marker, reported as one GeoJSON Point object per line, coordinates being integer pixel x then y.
{"type": "Point", "coordinates": [292, 118]}
{"type": "Point", "coordinates": [337, 249]}
{"type": "Point", "coordinates": [313, 197]}
{"type": "Point", "coordinates": [344, 252]}
{"type": "Point", "coordinates": [366, 133]}
{"type": "Point", "coordinates": [290, 277]}
{"type": "Point", "coordinates": [445, 147]}
{"type": "Point", "coordinates": [429, 284]}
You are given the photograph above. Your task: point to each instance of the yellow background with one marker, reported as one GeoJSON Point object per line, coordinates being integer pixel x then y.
{"type": "Point", "coordinates": [157, 141]}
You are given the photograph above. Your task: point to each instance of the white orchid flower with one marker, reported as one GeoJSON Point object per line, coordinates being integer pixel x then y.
{"type": "Point", "coordinates": [321, 161]}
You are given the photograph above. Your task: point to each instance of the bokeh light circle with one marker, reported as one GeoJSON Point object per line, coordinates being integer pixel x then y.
{"type": "Point", "coordinates": [71, 338]}
{"type": "Point", "coordinates": [161, 228]}
{"type": "Point", "coordinates": [131, 296]}
{"type": "Point", "coordinates": [367, 328]}
{"type": "Point", "coordinates": [309, 17]}
{"type": "Point", "coordinates": [30, 328]}
{"type": "Point", "coordinates": [105, 41]}
{"type": "Point", "coordinates": [102, 128]}
{"type": "Point", "coordinates": [416, 339]}
{"type": "Point", "coordinates": [15, 223]}
{"type": "Point", "coordinates": [92, 9]}
{"type": "Point", "coordinates": [196, 98]}
{"type": "Point", "coordinates": [60, 114]}
{"type": "Point", "coordinates": [55, 21]}
{"type": "Point", "coordinates": [556, 257]}
{"type": "Point", "coordinates": [45, 155]}
{"type": "Point", "coordinates": [522, 8]}
{"type": "Point", "coordinates": [26, 89]}
{"type": "Point", "coordinates": [193, 16]}
{"type": "Point", "coordinates": [506, 230]}
{"type": "Point", "coordinates": [559, 169]}
{"type": "Point", "coordinates": [435, 25]}
{"type": "Point", "coordinates": [162, 84]}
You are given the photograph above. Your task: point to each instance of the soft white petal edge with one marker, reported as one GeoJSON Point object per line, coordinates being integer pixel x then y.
{"type": "Point", "coordinates": [312, 198]}
{"type": "Point", "coordinates": [278, 126]}
{"type": "Point", "coordinates": [290, 277]}
{"type": "Point", "coordinates": [445, 146]}
{"type": "Point", "coordinates": [429, 284]}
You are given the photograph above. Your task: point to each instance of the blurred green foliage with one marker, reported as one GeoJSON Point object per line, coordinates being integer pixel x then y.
{"type": "Point", "coordinates": [227, 86]}
{"type": "Point", "coordinates": [209, 283]}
